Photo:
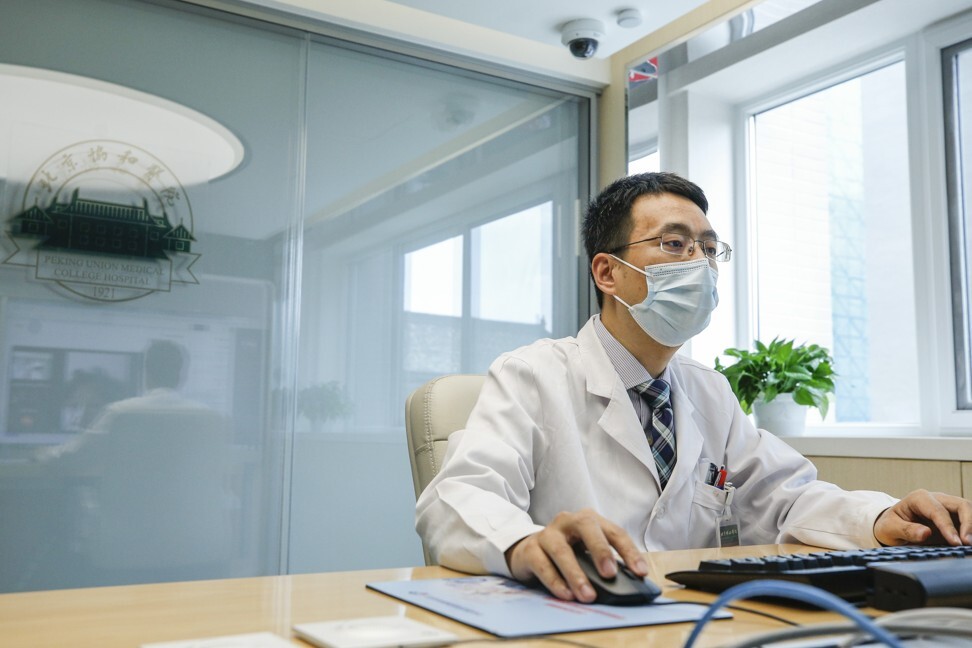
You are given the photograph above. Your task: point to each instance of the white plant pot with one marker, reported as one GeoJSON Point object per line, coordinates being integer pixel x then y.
{"type": "Point", "coordinates": [782, 416]}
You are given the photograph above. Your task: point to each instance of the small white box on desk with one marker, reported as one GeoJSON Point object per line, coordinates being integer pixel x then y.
{"type": "Point", "coordinates": [252, 640]}
{"type": "Point", "coordinates": [373, 632]}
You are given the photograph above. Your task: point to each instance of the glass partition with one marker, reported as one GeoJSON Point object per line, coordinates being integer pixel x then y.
{"type": "Point", "coordinates": [148, 204]}
{"type": "Point", "coordinates": [439, 233]}
{"type": "Point", "coordinates": [228, 250]}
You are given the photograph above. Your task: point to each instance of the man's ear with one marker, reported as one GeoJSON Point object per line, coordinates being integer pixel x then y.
{"type": "Point", "coordinates": [602, 270]}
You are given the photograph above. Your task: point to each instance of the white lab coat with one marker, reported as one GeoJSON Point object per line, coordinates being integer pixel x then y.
{"type": "Point", "coordinates": [554, 430]}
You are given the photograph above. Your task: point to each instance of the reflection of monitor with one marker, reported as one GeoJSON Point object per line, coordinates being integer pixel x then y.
{"type": "Point", "coordinates": [57, 391]}
{"type": "Point", "coordinates": [49, 347]}
{"type": "Point", "coordinates": [31, 365]}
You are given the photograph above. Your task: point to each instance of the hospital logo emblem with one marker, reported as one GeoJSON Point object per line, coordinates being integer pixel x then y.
{"type": "Point", "coordinates": [106, 221]}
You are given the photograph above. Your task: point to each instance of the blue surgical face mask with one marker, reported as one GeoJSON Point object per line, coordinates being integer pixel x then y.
{"type": "Point", "coordinates": [680, 301]}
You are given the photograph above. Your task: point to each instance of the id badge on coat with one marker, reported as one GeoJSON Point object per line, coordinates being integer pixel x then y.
{"type": "Point", "coordinates": [727, 524]}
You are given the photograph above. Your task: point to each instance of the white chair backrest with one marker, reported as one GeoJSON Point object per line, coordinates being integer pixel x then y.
{"type": "Point", "coordinates": [433, 412]}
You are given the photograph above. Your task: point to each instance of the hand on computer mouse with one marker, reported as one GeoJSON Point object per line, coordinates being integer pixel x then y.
{"type": "Point", "coordinates": [548, 555]}
{"type": "Point", "coordinates": [626, 588]}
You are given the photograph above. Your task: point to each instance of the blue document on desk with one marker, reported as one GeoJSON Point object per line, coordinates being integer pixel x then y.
{"type": "Point", "coordinates": [506, 608]}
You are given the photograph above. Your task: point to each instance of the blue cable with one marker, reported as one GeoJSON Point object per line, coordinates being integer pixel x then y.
{"type": "Point", "coordinates": [799, 592]}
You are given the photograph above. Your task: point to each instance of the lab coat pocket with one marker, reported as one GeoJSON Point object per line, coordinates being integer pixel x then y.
{"type": "Point", "coordinates": [708, 496]}
{"type": "Point", "coordinates": [708, 503]}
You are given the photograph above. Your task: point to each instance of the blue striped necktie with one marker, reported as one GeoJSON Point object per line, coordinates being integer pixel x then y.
{"type": "Point", "coordinates": [661, 431]}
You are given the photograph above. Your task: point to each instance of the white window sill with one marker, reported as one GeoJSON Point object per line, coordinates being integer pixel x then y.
{"type": "Point", "coordinates": [885, 447]}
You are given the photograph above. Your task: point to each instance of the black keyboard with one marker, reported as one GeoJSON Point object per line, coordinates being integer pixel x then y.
{"type": "Point", "coordinates": [852, 575]}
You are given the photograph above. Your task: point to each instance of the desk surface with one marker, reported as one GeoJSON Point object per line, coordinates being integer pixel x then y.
{"type": "Point", "coordinates": [131, 615]}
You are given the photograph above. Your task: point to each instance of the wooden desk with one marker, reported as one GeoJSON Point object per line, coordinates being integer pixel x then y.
{"type": "Point", "coordinates": [131, 615]}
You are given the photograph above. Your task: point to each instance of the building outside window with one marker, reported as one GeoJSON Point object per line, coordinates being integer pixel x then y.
{"type": "Point", "coordinates": [831, 238]}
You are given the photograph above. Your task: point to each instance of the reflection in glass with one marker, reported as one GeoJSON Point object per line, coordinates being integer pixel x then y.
{"type": "Point", "coordinates": [309, 318]}
{"type": "Point", "coordinates": [158, 452]}
{"type": "Point", "coordinates": [438, 234]}
{"type": "Point", "coordinates": [76, 103]}
{"type": "Point", "coordinates": [433, 279]}
{"type": "Point", "coordinates": [118, 460]}
{"type": "Point", "coordinates": [433, 308]}
{"type": "Point", "coordinates": [109, 472]}
{"type": "Point", "coordinates": [511, 259]}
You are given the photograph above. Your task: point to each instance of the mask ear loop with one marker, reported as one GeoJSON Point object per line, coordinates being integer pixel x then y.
{"type": "Point", "coordinates": [616, 258]}
{"type": "Point", "coordinates": [636, 269]}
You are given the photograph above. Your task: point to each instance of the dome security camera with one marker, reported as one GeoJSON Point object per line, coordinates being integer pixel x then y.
{"type": "Point", "coordinates": [582, 37]}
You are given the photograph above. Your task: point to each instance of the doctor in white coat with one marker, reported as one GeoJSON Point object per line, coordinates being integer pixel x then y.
{"type": "Point", "coordinates": [561, 446]}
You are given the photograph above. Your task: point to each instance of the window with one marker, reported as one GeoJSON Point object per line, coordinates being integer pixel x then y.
{"type": "Point", "coordinates": [452, 327]}
{"type": "Point", "coordinates": [433, 309]}
{"type": "Point", "coordinates": [643, 153]}
{"type": "Point", "coordinates": [650, 162]}
{"type": "Point", "coordinates": [831, 238]}
{"type": "Point", "coordinates": [511, 277]}
{"type": "Point", "coordinates": [957, 82]}
{"type": "Point", "coordinates": [818, 139]}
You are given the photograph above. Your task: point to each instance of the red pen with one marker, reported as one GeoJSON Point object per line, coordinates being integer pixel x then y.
{"type": "Point", "coordinates": [721, 482]}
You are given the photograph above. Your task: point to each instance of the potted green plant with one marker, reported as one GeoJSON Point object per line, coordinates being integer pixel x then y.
{"type": "Point", "coordinates": [779, 381]}
{"type": "Point", "coordinates": [323, 402]}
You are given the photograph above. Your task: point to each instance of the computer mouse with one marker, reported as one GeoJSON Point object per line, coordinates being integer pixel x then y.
{"type": "Point", "coordinates": [627, 588]}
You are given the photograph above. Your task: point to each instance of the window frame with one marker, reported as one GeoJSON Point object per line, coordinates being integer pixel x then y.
{"type": "Point", "coordinates": [928, 141]}
{"type": "Point", "coordinates": [958, 225]}
{"type": "Point", "coordinates": [462, 225]}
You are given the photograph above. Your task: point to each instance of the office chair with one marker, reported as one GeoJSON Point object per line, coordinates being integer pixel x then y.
{"type": "Point", "coordinates": [160, 509]}
{"type": "Point", "coordinates": [433, 412]}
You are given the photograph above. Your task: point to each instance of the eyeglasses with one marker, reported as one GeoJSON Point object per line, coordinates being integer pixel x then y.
{"type": "Point", "coordinates": [682, 245]}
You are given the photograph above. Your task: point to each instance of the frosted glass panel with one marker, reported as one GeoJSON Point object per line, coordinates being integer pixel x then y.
{"type": "Point", "coordinates": [439, 232]}
{"type": "Point", "coordinates": [143, 280]}
{"type": "Point", "coordinates": [228, 252]}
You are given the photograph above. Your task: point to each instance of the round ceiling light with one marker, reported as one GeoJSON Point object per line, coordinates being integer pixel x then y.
{"type": "Point", "coordinates": [64, 109]}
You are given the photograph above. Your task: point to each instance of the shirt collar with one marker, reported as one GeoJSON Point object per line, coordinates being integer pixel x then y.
{"type": "Point", "coordinates": [631, 371]}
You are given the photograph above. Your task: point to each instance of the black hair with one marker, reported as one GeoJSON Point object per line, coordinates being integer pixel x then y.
{"type": "Point", "coordinates": [608, 224]}
{"type": "Point", "coordinates": [163, 364]}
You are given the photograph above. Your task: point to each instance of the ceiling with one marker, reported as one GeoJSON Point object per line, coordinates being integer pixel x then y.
{"type": "Point", "coordinates": [541, 20]}
{"type": "Point", "coordinates": [524, 34]}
